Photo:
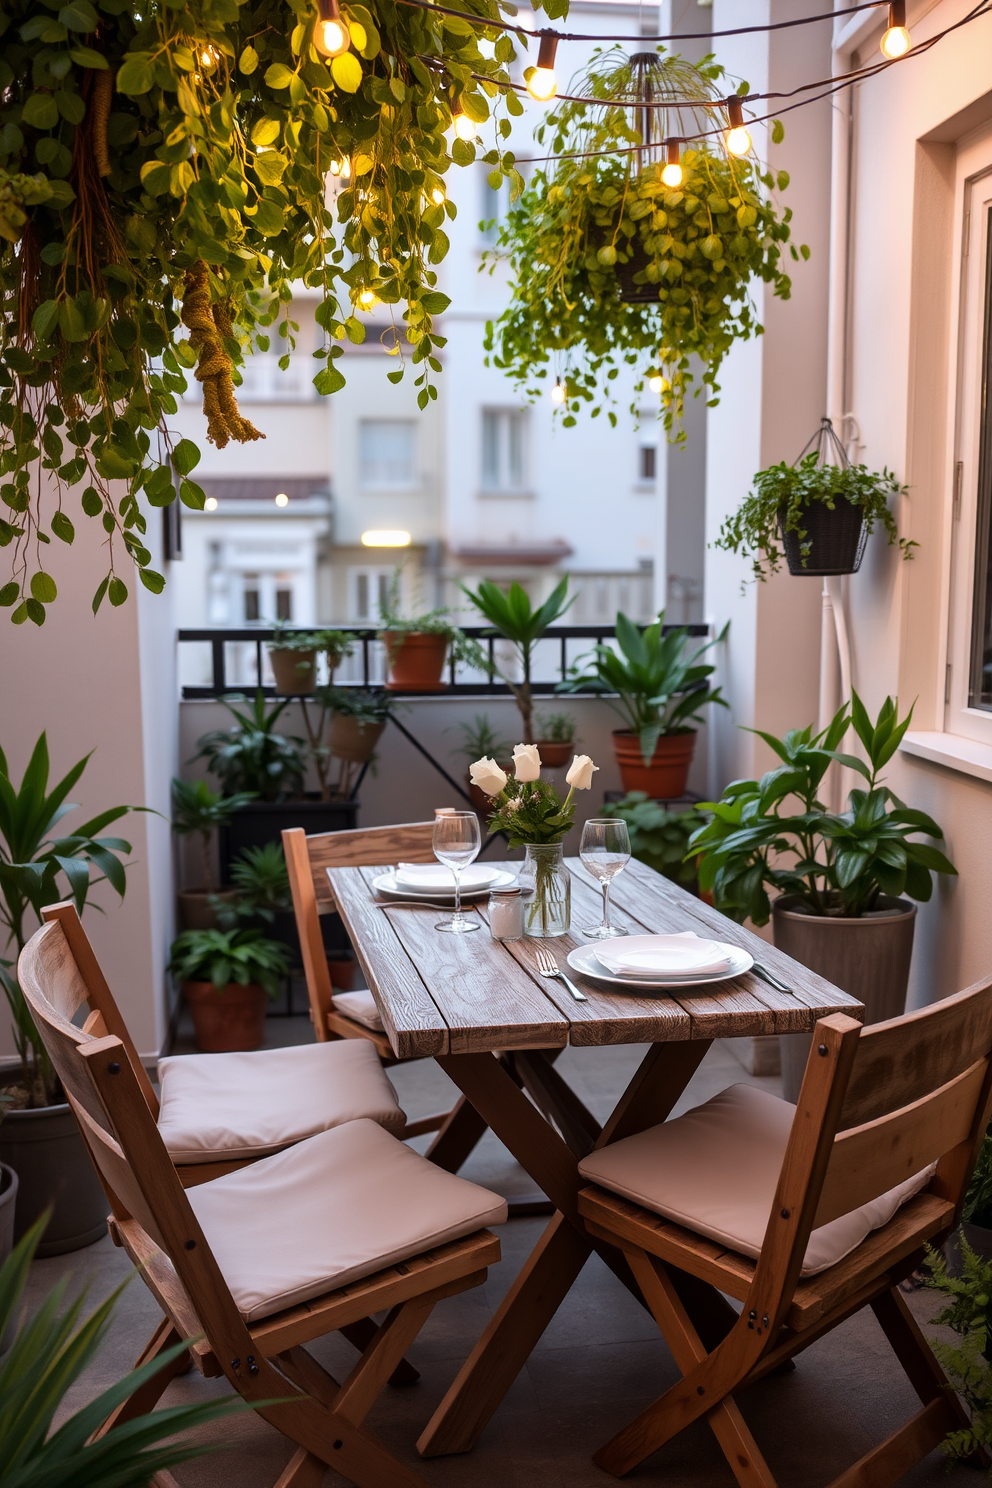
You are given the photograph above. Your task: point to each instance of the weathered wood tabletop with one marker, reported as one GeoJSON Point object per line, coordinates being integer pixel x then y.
{"type": "Point", "coordinates": [449, 994]}
{"type": "Point", "coordinates": [464, 999]}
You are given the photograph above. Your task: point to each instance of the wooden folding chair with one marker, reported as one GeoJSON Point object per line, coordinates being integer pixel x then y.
{"type": "Point", "coordinates": [899, 1107]}
{"type": "Point", "coordinates": [220, 1112]}
{"type": "Point", "coordinates": [249, 1267]}
{"type": "Point", "coordinates": [307, 859]}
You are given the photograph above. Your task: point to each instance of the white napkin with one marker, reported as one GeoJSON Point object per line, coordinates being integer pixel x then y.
{"type": "Point", "coordinates": [436, 876]}
{"type": "Point", "coordinates": [671, 956]}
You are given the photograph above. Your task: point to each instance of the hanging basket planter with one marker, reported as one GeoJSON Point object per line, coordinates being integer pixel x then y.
{"type": "Point", "coordinates": [821, 510]}
{"type": "Point", "coordinates": [636, 247]}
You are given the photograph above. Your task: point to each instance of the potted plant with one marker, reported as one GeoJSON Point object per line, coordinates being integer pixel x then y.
{"type": "Point", "coordinates": [660, 691]}
{"type": "Point", "coordinates": [8, 1199]}
{"type": "Point", "coordinates": [40, 862]}
{"type": "Point", "coordinates": [822, 512]}
{"type": "Point", "coordinates": [533, 816]}
{"type": "Point", "coordinates": [840, 878]}
{"type": "Point", "coordinates": [358, 718]}
{"type": "Point", "coordinates": [968, 1363]}
{"type": "Point", "coordinates": [555, 738]}
{"type": "Point", "coordinates": [227, 977]}
{"type": "Point", "coordinates": [51, 1349]}
{"type": "Point", "coordinates": [630, 250]}
{"type": "Point", "coordinates": [658, 837]}
{"type": "Point", "coordinates": [293, 655]}
{"type": "Point", "coordinates": [199, 811]}
{"type": "Point", "coordinates": [417, 647]}
{"type": "Point", "coordinates": [254, 756]}
{"type": "Point", "coordinates": [512, 616]}
{"type": "Point", "coordinates": [480, 740]}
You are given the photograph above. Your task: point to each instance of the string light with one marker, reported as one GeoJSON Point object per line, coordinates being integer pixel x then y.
{"type": "Point", "coordinates": [464, 126]}
{"type": "Point", "coordinates": [438, 196]}
{"type": "Point", "coordinates": [738, 138]}
{"type": "Point", "coordinates": [281, 499]}
{"type": "Point", "coordinates": [542, 85]}
{"type": "Point", "coordinates": [208, 57]}
{"type": "Point", "coordinates": [895, 39]}
{"type": "Point", "coordinates": [673, 174]}
{"type": "Point", "coordinates": [341, 168]}
{"type": "Point", "coordinates": [558, 393]}
{"type": "Point", "coordinates": [330, 35]}
{"type": "Point", "coordinates": [368, 299]}
{"type": "Point", "coordinates": [656, 383]}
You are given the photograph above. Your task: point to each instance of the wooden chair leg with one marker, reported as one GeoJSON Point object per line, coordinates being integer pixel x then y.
{"type": "Point", "coordinates": [368, 1378]}
{"type": "Point", "coordinates": [147, 1396]}
{"type": "Point", "coordinates": [303, 1470]}
{"type": "Point", "coordinates": [632, 1445]}
{"type": "Point", "coordinates": [458, 1137]}
{"type": "Point", "coordinates": [361, 1335]}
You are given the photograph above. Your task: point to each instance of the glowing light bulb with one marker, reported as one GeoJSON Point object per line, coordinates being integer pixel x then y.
{"type": "Point", "coordinates": [656, 383]}
{"type": "Point", "coordinates": [208, 57]}
{"type": "Point", "coordinates": [673, 174]}
{"type": "Point", "coordinates": [438, 197]}
{"type": "Point", "coordinates": [330, 35]}
{"type": "Point", "coordinates": [896, 40]}
{"type": "Point", "coordinates": [738, 138]}
{"type": "Point", "coordinates": [558, 393]}
{"type": "Point", "coordinates": [340, 168]}
{"type": "Point", "coordinates": [542, 85]}
{"type": "Point", "coordinates": [464, 126]}
{"type": "Point", "coordinates": [368, 299]}
{"type": "Point", "coordinates": [210, 504]}
{"type": "Point", "coordinates": [282, 499]}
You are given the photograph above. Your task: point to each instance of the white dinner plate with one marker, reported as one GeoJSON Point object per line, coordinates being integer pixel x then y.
{"type": "Point", "coordinates": [387, 885]}
{"type": "Point", "coordinates": [583, 960]}
{"type": "Point", "coordinates": [427, 878]}
{"type": "Point", "coordinates": [687, 955]}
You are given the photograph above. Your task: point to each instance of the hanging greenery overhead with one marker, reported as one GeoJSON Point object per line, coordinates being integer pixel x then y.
{"type": "Point", "coordinates": [611, 266]}
{"type": "Point", "coordinates": [162, 185]}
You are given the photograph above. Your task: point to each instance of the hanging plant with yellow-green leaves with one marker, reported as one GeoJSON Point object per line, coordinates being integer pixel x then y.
{"type": "Point", "coordinates": [164, 173]}
{"type": "Point", "coordinates": [611, 267]}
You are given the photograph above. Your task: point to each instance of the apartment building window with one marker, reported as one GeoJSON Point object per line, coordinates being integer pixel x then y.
{"type": "Point", "coordinates": [647, 463]}
{"type": "Point", "coordinates": [504, 450]}
{"type": "Point", "coordinates": [369, 592]}
{"type": "Point", "coordinates": [493, 207]}
{"type": "Point", "coordinates": [253, 606]}
{"type": "Point", "coordinates": [387, 454]}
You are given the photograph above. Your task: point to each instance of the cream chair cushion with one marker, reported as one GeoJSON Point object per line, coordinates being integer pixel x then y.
{"type": "Point", "coordinates": [360, 1006]}
{"type": "Point", "coordinates": [715, 1170]}
{"type": "Point", "coordinates": [246, 1105]}
{"type": "Point", "coordinates": [340, 1206]}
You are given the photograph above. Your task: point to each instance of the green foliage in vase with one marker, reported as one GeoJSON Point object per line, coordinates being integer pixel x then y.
{"type": "Point", "coordinates": [658, 837]}
{"type": "Point", "coordinates": [38, 866]}
{"type": "Point", "coordinates": [223, 956]}
{"type": "Point", "coordinates": [252, 755]}
{"type": "Point", "coordinates": [782, 496]}
{"type": "Point", "coordinates": [597, 212]}
{"type": "Point", "coordinates": [776, 832]}
{"type": "Point", "coordinates": [164, 175]}
{"type": "Point", "coordinates": [532, 812]}
{"type": "Point", "coordinates": [51, 1351]}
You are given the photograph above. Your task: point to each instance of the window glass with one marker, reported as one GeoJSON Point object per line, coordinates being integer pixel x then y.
{"type": "Point", "coordinates": [504, 449]}
{"type": "Point", "coordinates": [387, 453]}
{"type": "Point", "coordinates": [981, 637]}
{"type": "Point", "coordinates": [647, 462]}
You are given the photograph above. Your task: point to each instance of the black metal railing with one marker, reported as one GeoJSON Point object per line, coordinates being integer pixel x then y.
{"type": "Point", "coordinates": [555, 654]}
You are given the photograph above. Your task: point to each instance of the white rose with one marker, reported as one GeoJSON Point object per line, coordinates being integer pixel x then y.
{"type": "Point", "coordinates": [487, 775]}
{"type": "Point", "coordinates": [526, 763]}
{"type": "Point", "coordinates": [580, 772]}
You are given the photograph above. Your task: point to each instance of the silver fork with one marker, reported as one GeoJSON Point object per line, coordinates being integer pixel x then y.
{"type": "Point", "coordinates": [548, 967]}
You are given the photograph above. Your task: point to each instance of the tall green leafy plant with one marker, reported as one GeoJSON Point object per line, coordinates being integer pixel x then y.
{"type": "Point", "coordinates": [659, 687]}
{"type": "Point", "coordinates": [168, 172]}
{"type": "Point", "coordinates": [38, 865]}
{"type": "Point", "coordinates": [252, 756]}
{"type": "Point", "coordinates": [198, 811]}
{"type": "Point", "coordinates": [49, 1355]}
{"type": "Point", "coordinates": [776, 833]}
{"type": "Point", "coordinates": [511, 614]}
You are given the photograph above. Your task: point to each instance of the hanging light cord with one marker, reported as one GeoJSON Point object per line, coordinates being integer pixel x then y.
{"type": "Point", "coordinates": [501, 25]}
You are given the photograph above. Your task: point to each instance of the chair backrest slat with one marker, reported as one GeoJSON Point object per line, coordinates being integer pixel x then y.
{"type": "Point", "coordinates": [307, 861]}
{"type": "Point", "coordinates": [894, 1067]}
{"type": "Point", "coordinates": [868, 1160]}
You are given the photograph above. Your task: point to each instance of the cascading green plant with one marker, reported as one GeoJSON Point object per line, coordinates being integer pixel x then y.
{"type": "Point", "coordinates": [599, 230]}
{"type": "Point", "coordinates": [164, 175]}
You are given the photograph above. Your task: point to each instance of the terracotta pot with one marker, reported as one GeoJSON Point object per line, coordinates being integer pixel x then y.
{"type": "Point", "coordinates": [416, 660]}
{"type": "Point", "coordinates": [665, 777]}
{"type": "Point", "coordinates": [350, 739]}
{"type": "Point", "coordinates": [196, 911]}
{"type": "Point", "coordinates": [553, 753]}
{"type": "Point", "coordinates": [341, 965]}
{"type": "Point", "coordinates": [868, 957]}
{"type": "Point", "coordinates": [226, 1021]}
{"type": "Point", "coordinates": [54, 1171]}
{"type": "Point", "coordinates": [295, 671]}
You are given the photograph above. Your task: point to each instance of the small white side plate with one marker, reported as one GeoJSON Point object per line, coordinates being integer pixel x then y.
{"type": "Point", "coordinates": [583, 960]}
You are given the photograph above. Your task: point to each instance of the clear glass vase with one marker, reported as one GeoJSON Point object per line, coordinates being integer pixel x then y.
{"type": "Point", "coordinates": [547, 886]}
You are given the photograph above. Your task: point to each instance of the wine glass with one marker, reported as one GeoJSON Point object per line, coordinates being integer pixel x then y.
{"type": "Point", "coordinates": [605, 851]}
{"type": "Point", "coordinates": [457, 841]}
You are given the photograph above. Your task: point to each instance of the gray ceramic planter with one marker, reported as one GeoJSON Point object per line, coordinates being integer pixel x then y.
{"type": "Point", "coordinates": [868, 957]}
{"type": "Point", "coordinates": [54, 1170]}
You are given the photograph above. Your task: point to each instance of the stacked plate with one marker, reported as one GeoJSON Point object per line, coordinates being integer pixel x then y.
{"type": "Point", "coordinates": [653, 961]}
{"type": "Point", "coordinates": [436, 883]}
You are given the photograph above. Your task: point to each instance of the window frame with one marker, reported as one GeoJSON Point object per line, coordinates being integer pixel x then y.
{"type": "Point", "coordinates": [414, 481]}
{"type": "Point", "coordinates": [506, 416]}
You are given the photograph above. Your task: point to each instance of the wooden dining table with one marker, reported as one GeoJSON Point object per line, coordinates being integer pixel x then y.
{"type": "Point", "coordinates": [482, 1010]}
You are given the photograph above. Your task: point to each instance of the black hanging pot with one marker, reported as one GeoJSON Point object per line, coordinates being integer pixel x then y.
{"type": "Point", "coordinates": [631, 293]}
{"type": "Point", "coordinates": [834, 542]}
